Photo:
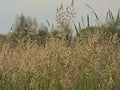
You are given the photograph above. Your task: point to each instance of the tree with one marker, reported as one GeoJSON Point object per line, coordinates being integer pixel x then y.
{"type": "Point", "coordinates": [23, 27]}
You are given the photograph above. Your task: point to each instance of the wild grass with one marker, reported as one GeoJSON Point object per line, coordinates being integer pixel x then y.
{"type": "Point", "coordinates": [52, 62]}
{"type": "Point", "coordinates": [91, 64]}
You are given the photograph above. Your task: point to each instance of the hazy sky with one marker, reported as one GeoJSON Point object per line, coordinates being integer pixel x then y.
{"type": "Point", "coordinates": [46, 9]}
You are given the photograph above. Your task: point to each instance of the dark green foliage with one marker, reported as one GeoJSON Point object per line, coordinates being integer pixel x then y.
{"type": "Point", "coordinates": [27, 28]}
{"type": "Point", "coordinates": [3, 37]}
{"type": "Point", "coordinates": [41, 36]}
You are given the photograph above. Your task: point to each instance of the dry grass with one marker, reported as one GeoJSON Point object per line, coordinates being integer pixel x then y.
{"type": "Point", "coordinates": [92, 64]}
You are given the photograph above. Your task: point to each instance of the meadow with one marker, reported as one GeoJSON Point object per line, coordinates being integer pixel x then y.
{"type": "Point", "coordinates": [32, 59]}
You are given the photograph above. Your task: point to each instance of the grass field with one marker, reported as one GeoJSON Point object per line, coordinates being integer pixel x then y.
{"type": "Point", "coordinates": [54, 60]}
{"type": "Point", "coordinates": [92, 63]}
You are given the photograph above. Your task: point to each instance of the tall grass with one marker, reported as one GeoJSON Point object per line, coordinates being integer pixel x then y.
{"type": "Point", "coordinates": [91, 62]}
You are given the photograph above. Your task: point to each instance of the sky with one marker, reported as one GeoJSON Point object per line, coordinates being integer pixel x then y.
{"type": "Point", "coordinates": [46, 9]}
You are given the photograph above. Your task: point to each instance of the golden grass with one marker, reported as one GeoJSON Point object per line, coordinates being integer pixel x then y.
{"type": "Point", "coordinates": [92, 64]}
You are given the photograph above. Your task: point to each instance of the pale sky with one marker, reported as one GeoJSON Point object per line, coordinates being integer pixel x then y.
{"type": "Point", "coordinates": [46, 9]}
